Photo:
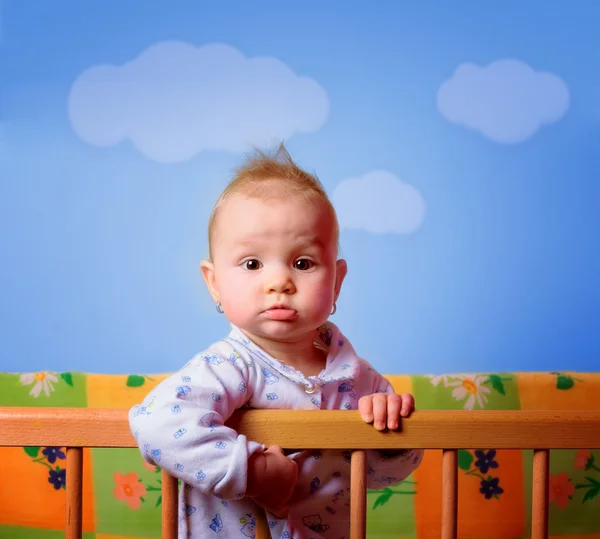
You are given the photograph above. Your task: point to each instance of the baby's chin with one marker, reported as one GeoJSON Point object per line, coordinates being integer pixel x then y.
{"type": "Point", "coordinates": [281, 331]}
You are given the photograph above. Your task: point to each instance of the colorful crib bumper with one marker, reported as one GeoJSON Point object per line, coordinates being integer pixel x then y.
{"type": "Point", "coordinates": [122, 494]}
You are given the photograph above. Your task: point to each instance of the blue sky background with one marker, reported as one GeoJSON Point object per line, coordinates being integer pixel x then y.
{"type": "Point", "coordinates": [469, 197]}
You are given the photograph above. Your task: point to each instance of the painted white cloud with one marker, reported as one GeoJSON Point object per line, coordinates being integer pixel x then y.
{"type": "Point", "coordinates": [506, 100]}
{"type": "Point", "coordinates": [378, 202]}
{"type": "Point", "coordinates": [177, 99]}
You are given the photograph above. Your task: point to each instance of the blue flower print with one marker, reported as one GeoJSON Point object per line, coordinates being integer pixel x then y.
{"type": "Point", "coordinates": [182, 391]}
{"type": "Point", "coordinates": [52, 453]}
{"type": "Point", "coordinates": [179, 433]}
{"type": "Point", "coordinates": [270, 378]}
{"type": "Point", "coordinates": [316, 402]}
{"type": "Point", "coordinates": [156, 455]}
{"type": "Point", "coordinates": [314, 485]}
{"type": "Point", "coordinates": [346, 366]}
{"type": "Point", "coordinates": [221, 445]}
{"type": "Point", "coordinates": [316, 454]}
{"type": "Point", "coordinates": [58, 479]}
{"type": "Point", "coordinates": [272, 396]}
{"type": "Point", "coordinates": [490, 487]}
{"type": "Point", "coordinates": [345, 387]}
{"type": "Point", "coordinates": [179, 467]}
{"type": "Point", "coordinates": [189, 509]}
{"type": "Point", "coordinates": [213, 359]}
{"type": "Point", "coordinates": [485, 461]}
{"type": "Point", "coordinates": [208, 421]}
{"type": "Point", "coordinates": [285, 535]}
{"type": "Point", "coordinates": [186, 379]}
{"type": "Point", "coordinates": [242, 387]}
{"type": "Point", "coordinates": [200, 475]}
{"type": "Point", "coordinates": [347, 406]}
{"type": "Point", "coordinates": [176, 409]}
{"type": "Point", "coordinates": [216, 397]}
{"type": "Point", "coordinates": [339, 494]}
{"type": "Point", "coordinates": [216, 524]}
{"type": "Point", "coordinates": [141, 410]}
{"type": "Point", "coordinates": [346, 455]}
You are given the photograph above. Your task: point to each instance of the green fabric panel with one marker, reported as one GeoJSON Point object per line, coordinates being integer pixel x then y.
{"type": "Point", "coordinates": [117, 517]}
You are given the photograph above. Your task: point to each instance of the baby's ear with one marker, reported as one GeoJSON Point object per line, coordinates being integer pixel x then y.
{"type": "Point", "coordinates": [341, 269]}
{"type": "Point", "coordinates": [208, 272]}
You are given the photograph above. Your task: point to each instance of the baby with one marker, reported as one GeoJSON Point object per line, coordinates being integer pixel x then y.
{"type": "Point", "coordinates": [273, 271]}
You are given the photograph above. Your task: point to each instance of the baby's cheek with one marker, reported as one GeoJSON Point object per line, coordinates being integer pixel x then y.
{"type": "Point", "coordinates": [237, 304]}
{"type": "Point", "coordinates": [236, 309]}
{"type": "Point", "coordinates": [323, 298]}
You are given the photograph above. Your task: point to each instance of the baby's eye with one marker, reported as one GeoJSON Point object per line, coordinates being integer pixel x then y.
{"type": "Point", "coordinates": [303, 264]}
{"type": "Point", "coordinates": [252, 264]}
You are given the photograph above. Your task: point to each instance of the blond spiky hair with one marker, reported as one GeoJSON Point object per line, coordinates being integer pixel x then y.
{"type": "Point", "coordinates": [268, 177]}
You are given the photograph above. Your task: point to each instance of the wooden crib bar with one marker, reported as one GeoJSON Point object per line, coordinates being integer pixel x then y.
{"type": "Point", "coordinates": [540, 487]}
{"type": "Point", "coordinates": [74, 488]}
{"type": "Point", "coordinates": [169, 506]}
{"type": "Point", "coordinates": [449, 431]}
{"type": "Point", "coordinates": [358, 494]}
{"type": "Point", "coordinates": [449, 493]}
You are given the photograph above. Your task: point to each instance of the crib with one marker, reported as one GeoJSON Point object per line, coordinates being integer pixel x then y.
{"type": "Point", "coordinates": [448, 431]}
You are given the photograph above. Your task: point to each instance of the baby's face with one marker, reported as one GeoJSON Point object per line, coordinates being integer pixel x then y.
{"type": "Point", "coordinates": [275, 266]}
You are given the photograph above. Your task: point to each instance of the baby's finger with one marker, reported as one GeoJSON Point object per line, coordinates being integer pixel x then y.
{"type": "Point", "coordinates": [408, 404]}
{"type": "Point", "coordinates": [379, 410]}
{"type": "Point", "coordinates": [365, 407]}
{"type": "Point", "coordinates": [394, 403]}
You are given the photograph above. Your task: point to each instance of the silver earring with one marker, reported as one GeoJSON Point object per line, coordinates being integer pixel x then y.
{"type": "Point", "coordinates": [219, 308]}
{"type": "Point", "coordinates": [334, 309]}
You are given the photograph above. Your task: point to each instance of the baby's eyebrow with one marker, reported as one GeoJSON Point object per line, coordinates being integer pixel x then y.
{"type": "Point", "coordinates": [311, 240]}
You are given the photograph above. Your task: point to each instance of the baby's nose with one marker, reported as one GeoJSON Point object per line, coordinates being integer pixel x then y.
{"type": "Point", "coordinates": [280, 281]}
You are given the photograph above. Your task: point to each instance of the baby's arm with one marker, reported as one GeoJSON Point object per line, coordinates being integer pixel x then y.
{"type": "Point", "coordinates": [180, 425]}
{"type": "Point", "coordinates": [385, 469]}
{"type": "Point", "coordinates": [388, 467]}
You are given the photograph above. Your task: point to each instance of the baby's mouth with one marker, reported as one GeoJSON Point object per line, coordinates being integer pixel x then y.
{"type": "Point", "coordinates": [280, 313]}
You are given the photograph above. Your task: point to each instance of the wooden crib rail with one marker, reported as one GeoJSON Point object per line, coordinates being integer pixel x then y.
{"type": "Point", "coordinates": [541, 431]}
{"type": "Point", "coordinates": [322, 429]}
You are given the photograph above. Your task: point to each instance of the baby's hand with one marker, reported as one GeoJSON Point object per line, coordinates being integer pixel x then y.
{"type": "Point", "coordinates": [380, 408]}
{"type": "Point", "coordinates": [271, 480]}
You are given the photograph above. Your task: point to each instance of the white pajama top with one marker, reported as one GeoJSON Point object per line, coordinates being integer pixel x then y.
{"type": "Point", "coordinates": [180, 427]}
